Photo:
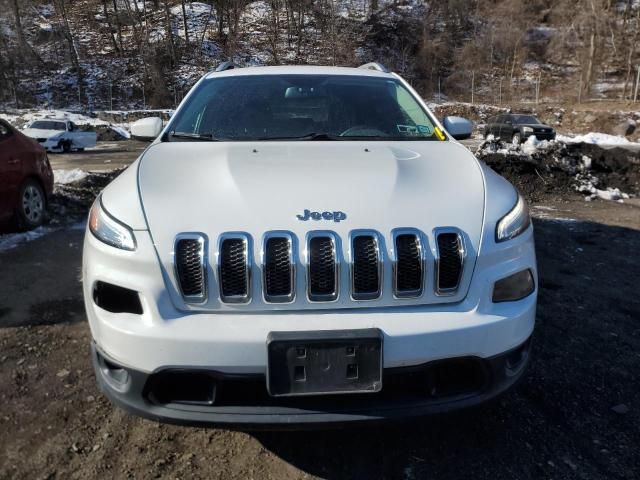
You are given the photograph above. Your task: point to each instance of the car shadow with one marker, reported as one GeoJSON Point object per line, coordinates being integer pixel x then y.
{"type": "Point", "coordinates": [558, 421]}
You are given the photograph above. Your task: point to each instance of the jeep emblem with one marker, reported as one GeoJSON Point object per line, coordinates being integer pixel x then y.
{"type": "Point", "coordinates": [309, 215]}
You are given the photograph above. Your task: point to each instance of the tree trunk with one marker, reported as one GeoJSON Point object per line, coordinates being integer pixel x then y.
{"type": "Point", "coordinates": [118, 24]}
{"type": "Point", "coordinates": [184, 21]}
{"type": "Point", "coordinates": [24, 46]}
{"type": "Point", "coordinates": [110, 26]}
{"type": "Point", "coordinates": [169, 33]}
{"type": "Point", "coordinates": [73, 53]}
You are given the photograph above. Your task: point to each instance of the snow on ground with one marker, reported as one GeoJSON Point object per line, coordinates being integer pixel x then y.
{"type": "Point", "coordinates": [12, 240]}
{"type": "Point", "coordinates": [68, 176]}
{"type": "Point", "coordinates": [595, 138]}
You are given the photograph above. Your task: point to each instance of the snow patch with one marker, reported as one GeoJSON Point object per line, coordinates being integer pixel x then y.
{"type": "Point", "coordinates": [12, 240]}
{"type": "Point", "coordinates": [68, 176]}
{"type": "Point", "coordinates": [595, 138]}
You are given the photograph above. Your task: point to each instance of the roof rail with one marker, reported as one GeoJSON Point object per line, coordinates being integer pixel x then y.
{"type": "Point", "coordinates": [374, 66]}
{"type": "Point", "coordinates": [226, 66]}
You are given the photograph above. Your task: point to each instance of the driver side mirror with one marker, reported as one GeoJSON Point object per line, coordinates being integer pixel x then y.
{"type": "Point", "coordinates": [458, 127]}
{"type": "Point", "coordinates": [146, 129]}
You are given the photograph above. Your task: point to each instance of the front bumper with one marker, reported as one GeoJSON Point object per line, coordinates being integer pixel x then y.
{"type": "Point", "coordinates": [431, 388]}
{"type": "Point", "coordinates": [540, 135]}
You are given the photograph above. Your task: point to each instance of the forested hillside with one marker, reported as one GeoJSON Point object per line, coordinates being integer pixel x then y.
{"type": "Point", "coordinates": [120, 54]}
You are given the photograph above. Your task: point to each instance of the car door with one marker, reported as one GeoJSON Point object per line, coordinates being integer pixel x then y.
{"type": "Point", "coordinates": [506, 131]}
{"type": "Point", "coordinates": [10, 170]}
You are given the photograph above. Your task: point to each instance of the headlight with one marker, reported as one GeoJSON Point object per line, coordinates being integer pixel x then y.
{"type": "Point", "coordinates": [527, 129]}
{"type": "Point", "coordinates": [109, 230]}
{"type": "Point", "coordinates": [513, 223]}
{"type": "Point", "coordinates": [514, 287]}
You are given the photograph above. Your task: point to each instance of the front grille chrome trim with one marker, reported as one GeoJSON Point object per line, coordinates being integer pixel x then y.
{"type": "Point", "coordinates": [316, 298]}
{"type": "Point", "coordinates": [447, 292]}
{"type": "Point", "coordinates": [248, 249]}
{"type": "Point", "coordinates": [203, 240]}
{"type": "Point", "coordinates": [293, 255]}
{"type": "Point", "coordinates": [365, 296]}
{"type": "Point", "coordinates": [414, 293]}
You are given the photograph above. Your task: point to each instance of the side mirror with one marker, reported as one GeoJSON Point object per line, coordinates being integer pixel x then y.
{"type": "Point", "coordinates": [146, 128]}
{"type": "Point", "coordinates": [458, 127]}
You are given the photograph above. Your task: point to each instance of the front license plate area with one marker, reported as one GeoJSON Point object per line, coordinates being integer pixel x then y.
{"type": "Point", "coordinates": [324, 362]}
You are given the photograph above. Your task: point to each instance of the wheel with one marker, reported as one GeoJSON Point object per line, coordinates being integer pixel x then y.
{"type": "Point", "coordinates": [66, 147]}
{"type": "Point", "coordinates": [516, 139]}
{"type": "Point", "coordinates": [31, 208]}
{"type": "Point", "coordinates": [79, 149]}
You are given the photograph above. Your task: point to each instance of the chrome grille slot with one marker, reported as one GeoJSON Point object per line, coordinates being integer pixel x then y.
{"type": "Point", "coordinates": [322, 267]}
{"type": "Point", "coordinates": [234, 273]}
{"type": "Point", "coordinates": [449, 261]}
{"type": "Point", "coordinates": [190, 266]}
{"type": "Point", "coordinates": [408, 264]}
{"type": "Point", "coordinates": [366, 266]}
{"type": "Point", "coordinates": [278, 267]}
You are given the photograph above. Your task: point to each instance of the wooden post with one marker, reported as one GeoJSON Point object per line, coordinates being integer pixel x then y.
{"type": "Point", "coordinates": [580, 89]}
{"type": "Point", "coordinates": [473, 77]}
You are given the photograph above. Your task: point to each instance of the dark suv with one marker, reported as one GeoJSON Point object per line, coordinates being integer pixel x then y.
{"type": "Point", "coordinates": [516, 128]}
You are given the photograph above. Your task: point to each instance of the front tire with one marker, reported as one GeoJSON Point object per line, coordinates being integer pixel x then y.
{"type": "Point", "coordinates": [31, 209]}
{"type": "Point", "coordinates": [516, 139]}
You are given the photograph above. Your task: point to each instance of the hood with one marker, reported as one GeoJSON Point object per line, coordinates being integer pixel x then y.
{"type": "Point", "coordinates": [254, 188]}
{"type": "Point", "coordinates": [41, 133]}
{"type": "Point", "coordinates": [536, 126]}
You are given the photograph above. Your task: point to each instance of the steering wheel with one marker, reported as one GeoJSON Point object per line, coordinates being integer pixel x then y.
{"type": "Point", "coordinates": [363, 131]}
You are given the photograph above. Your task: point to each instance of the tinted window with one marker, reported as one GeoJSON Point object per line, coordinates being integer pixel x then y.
{"type": "Point", "coordinates": [264, 107]}
{"type": "Point", "coordinates": [526, 119]}
{"type": "Point", "coordinates": [48, 125]}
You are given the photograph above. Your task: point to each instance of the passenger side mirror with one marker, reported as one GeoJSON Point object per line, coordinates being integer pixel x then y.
{"type": "Point", "coordinates": [146, 129]}
{"type": "Point", "coordinates": [458, 127]}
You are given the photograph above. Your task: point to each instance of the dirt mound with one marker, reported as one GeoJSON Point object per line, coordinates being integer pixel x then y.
{"type": "Point", "coordinates": [561, 169]}
{"type": "Point", "coordinates": [70, 202]}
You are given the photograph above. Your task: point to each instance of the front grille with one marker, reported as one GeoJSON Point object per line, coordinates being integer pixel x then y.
{"type": "Point", "coordinates": [367, 251]}
{"type": "Point", "coordinates": [450, 262]}
{"type": "Point", "coordinates": [233, 269]}
{"type": "Point", "coordinates": [190, 266]}
{"type": "Point", "coordinates": [278, 269]}
{"type": "Point", "coordinates": [366, 270]}
{"type": "Point", "coordinates": [409, 265]}
{"type": "Point", "coordinates": [322, 268]}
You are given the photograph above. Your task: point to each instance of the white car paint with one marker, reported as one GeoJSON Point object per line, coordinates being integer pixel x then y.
{"type": "Point", "coordinates": [255, 188]}
{"type": "Point", "coordinates": [54, 140]}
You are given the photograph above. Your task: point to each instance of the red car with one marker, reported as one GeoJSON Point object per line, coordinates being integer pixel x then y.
{"type": "Point", "coordinates": [26, 179]}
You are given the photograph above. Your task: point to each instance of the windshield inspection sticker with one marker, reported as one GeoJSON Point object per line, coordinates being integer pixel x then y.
{"type": "Point", "coordinates": [410, 129]}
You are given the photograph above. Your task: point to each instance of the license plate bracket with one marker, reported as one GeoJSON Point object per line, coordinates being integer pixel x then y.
{"type": "Point", "coordinates": [324, 362]}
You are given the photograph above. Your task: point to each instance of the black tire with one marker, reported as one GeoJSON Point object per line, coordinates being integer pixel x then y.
{"type": "Point", "coordinates": [32, 205]}
{"type": "Point", "coordinates": [66, 147]}
{"type": "Point", "coordinates": [79, 149]}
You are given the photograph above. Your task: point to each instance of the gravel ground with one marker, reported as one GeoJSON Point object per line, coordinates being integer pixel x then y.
{"type": "Point", "coordinates": [576, 414]}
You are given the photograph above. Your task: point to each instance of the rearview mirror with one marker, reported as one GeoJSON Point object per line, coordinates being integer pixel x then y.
{"type": "Point", "coordinates": [458, 127]}
{"type": "Point", "coordinates": [146, 129]}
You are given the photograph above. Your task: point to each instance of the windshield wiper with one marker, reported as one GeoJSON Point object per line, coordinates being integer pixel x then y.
{"type": "Point", "coordinates": [308, 136]}
{"type": "Point", "coordinates": [202, 137]}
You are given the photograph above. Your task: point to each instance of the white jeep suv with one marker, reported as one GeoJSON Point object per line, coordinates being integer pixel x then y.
{"type": "Point", "coordinates": [307, 245]}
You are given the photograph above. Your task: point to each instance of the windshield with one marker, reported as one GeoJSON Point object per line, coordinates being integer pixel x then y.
{"type": "Point", "coordinates": [48, 125]}
{"type": "Point", "coordinates": [302, 107]}
{"type": "Point", "coordinates": [526, 120]}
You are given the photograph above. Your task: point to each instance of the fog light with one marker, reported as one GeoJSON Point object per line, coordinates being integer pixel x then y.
{"type": "Point", "coordinates": [514, 287]}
